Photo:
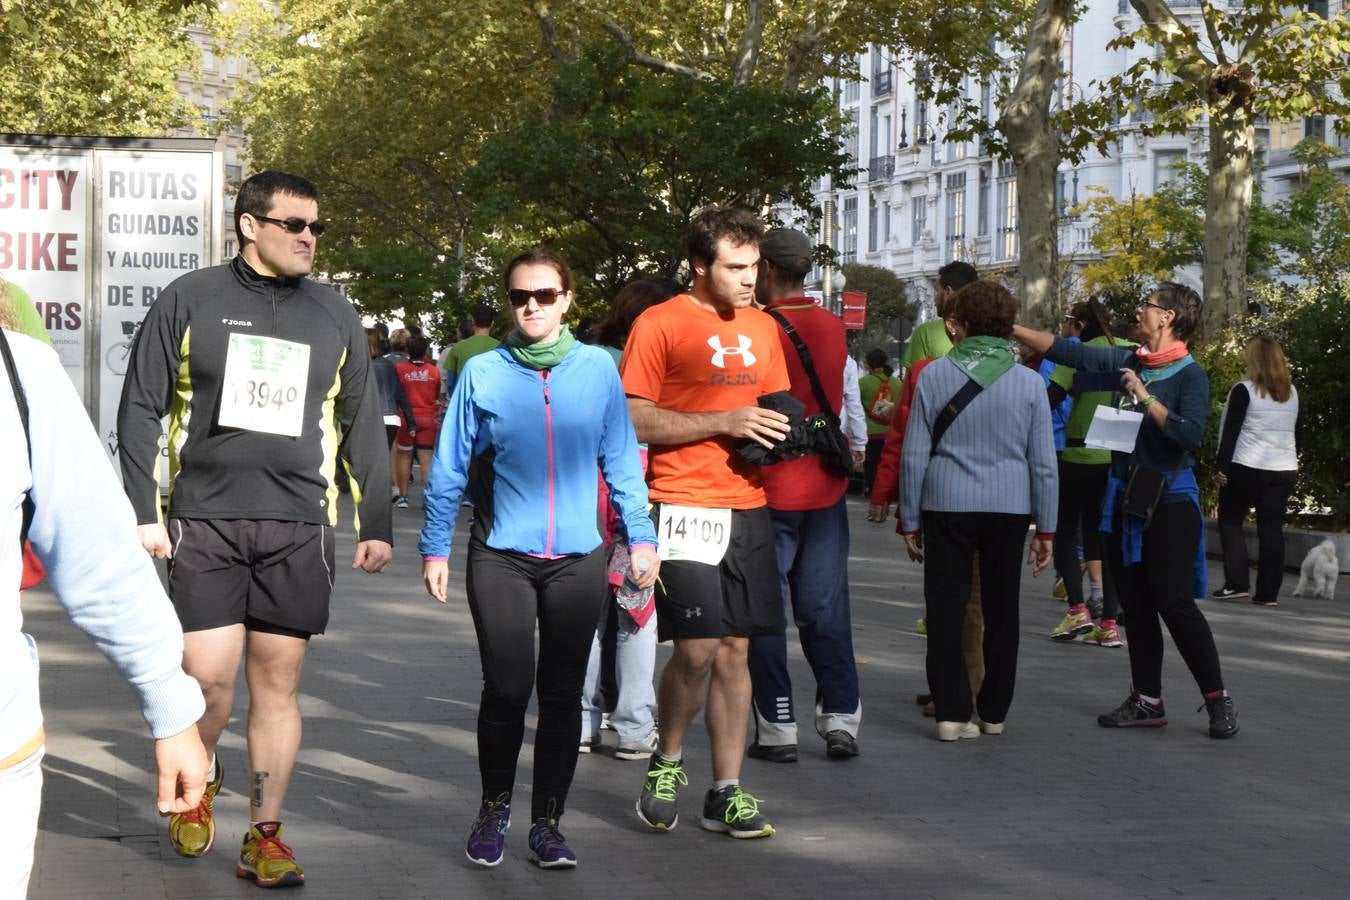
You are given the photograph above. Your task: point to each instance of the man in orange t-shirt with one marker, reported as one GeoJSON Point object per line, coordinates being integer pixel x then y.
{"type": "Point", "coordinates": [694, 368]}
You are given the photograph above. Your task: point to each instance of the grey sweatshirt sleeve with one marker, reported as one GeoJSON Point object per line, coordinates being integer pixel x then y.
{"type": "Point", "coordinates": [84, 531]}
{"type": "Point", "coordinates": [1044, 468]}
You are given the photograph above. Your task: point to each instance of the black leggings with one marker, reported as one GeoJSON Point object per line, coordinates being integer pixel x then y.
{"type": "Point", "coordinates": [1162, 585]}
{"type": "Point", "coordinates": [508, 593]}
{"type": "Point", "coordinates": [1081, 489]}
{"type": "Point", "coordinates": [1269, 493]}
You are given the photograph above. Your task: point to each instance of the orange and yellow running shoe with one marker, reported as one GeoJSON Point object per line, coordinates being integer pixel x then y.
{"type": "Point", "coordinates": [192, 833]}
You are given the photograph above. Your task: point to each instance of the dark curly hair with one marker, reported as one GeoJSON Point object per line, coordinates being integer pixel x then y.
{"type": "Point", "coordinates": [985, 307]}
{"type": "Point", "coordinates": [715, 223]}
{"type": "Point", "coordinates": [1183, 301]}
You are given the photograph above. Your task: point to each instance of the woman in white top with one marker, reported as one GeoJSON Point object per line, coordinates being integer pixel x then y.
{"type": "Point", "coordinates": [1257, 466]}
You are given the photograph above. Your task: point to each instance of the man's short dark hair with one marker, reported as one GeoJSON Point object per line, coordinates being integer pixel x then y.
{"type": "Point", "coordinates": [985, 308]}
{"type": "Point", "coordinates": [484, 315]}
{"type": "Point", "coordinates": [715, 223]}
{"type": "Point", "coordinates": [257, 191]}
{"type": "Point", "coordinates": [417, 346]}
{"type": "Point", "coordinates": [957, 274]}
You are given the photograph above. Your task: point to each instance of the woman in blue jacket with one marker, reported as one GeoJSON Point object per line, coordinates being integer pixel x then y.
{"type": "Point", "coordinates": [526, 425]}
{"type": "Point", "coordinates": [1154, 546]}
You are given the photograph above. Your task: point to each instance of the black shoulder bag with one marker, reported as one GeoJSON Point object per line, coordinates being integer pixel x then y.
{"type": "Point", "coordinates": [21, 401]}
{"type": "Point", "coordinates": [828, 436]}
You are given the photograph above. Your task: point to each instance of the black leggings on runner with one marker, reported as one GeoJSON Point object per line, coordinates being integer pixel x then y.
{"type": "Point", "coordinates": [1082, 487]}
{"type": "Point", "coordinates": [508, 594]}
{"type": "Point", "coordinates": [1162, 585]}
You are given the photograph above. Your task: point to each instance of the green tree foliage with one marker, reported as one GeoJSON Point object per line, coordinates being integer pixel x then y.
{"type": "Point", "coordinates": [453, 134]}
{"type": "Point", "coordinates": [94, 66]}
{"type": "Point", "coordinates": [625, 157]}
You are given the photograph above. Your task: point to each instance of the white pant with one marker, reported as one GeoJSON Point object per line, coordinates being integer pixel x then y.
{"type": "Point", "coordinates": [20, 800]}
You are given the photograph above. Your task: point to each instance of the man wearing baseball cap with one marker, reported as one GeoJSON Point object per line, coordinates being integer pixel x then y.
{"type": "Point", "coordinates": [810, 525]}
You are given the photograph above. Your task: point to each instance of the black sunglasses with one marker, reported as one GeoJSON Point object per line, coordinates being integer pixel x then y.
{"type": "Point", "coordinates": [542, 296]}
{"type": "Point", "coordinates": [295, 225]}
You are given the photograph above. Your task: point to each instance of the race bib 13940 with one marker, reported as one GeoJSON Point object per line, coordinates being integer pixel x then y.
{"type": "Point", "coordinates": [265, 382]}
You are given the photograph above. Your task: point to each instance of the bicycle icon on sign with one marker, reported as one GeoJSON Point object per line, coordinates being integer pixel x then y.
{"type": "Point", "coordinates": [119, 355]}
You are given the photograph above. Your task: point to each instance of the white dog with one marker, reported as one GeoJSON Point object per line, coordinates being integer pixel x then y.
{"type": "Point", "coordinates": [1320, 570]}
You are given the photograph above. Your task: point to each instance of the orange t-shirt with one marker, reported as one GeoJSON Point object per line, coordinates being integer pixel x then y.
{"type": "Point", "coordinates": [685, 358]}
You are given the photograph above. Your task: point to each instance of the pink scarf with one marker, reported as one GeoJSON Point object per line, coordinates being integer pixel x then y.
{"type": "Point", "coordinates": [1156, 360]}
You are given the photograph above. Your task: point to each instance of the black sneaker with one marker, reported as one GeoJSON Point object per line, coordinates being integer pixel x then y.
{"type": "Point", "coordinates": [732, 811]}
{"type": "Point", "coordinates": [1134, 712]}
{"type": "Point", "coordinates": [1222, 715]}
{"type": "Point", "coordinates": [1227, 593]}
{"type": "Point", "coordinates": [779, 753]}
{"type": "Point", "coordinates": [656, 804]}
{"type": "Point", "coordinates": [839, 744]}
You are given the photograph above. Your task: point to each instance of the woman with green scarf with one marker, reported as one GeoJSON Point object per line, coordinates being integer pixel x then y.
{"type": "Point", "coordinates": [526, 425]}
{"type": "Point", "coordinates": [977, 468]}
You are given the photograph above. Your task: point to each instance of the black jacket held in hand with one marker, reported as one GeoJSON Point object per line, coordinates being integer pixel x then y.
{"type": "Point", "coordinates": [177, 368]}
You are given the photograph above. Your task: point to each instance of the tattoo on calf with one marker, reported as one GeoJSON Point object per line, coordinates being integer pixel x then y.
{"type": "Point", "coordinates": [258, 778]}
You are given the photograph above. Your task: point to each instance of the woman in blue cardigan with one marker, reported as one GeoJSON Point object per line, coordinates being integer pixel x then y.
{"type": "Point", "coordinates": [526, 426]}
{"type": "Point", "coordinates": [1155, 551]}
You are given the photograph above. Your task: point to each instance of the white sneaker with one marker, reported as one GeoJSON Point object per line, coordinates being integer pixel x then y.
{"type": "Point", "coordinates": [957, 731]}
{"type": "Point", "coordinates": [991, 727]}
{"type": "Point", "coordinates": [401, 503]}
{"type": "Point", "coordinates": [642, 748]}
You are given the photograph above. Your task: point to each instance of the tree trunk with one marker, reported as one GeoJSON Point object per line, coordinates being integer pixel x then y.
{"type": "Point", "coordinates": [1025, 122]}
{"type": "Point", "coordinates": [1232, 148]}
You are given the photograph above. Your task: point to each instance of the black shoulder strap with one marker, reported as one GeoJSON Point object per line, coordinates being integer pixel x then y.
{"type": "Point", "coordinates": [807, 364]}
{"type": "Point", "coordinates": [960, 400]}
{"type": "Point", "coordinates": [21, 401]}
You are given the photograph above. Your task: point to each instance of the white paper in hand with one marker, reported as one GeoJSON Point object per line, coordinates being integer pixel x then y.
{"type": "Point", "coordinates": [1113, 429]}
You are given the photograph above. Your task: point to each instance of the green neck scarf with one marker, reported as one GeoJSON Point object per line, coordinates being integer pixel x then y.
{"type": "Point", "coordinates": [984, 358]}
{"type": "Point", "coordinates": [539, 355]}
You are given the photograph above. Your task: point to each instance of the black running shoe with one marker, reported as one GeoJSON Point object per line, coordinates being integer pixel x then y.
{"type": "Point", "coordinates": [1222, 716]}
{"type": "Point", "coordinates": [1227, 593]}
{"type": "Point", "coordinates": [1134, 712]}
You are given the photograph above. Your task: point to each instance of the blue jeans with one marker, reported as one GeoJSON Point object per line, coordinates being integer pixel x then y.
{"type": "Point", "coordinates": [633, 716]}
{"type": "Point", "coordinates": [812, 548]}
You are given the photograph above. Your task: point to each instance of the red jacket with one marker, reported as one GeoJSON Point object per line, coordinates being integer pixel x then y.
{"type": "Point", "coordinates": [886, 482]}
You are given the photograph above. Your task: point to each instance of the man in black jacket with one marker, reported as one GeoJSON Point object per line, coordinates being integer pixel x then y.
{"type": "Point", "coordinates": [265, 379]}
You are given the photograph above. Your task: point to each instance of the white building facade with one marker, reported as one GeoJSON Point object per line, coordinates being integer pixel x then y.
{"type": "Point", "coordinates": [922, 200]}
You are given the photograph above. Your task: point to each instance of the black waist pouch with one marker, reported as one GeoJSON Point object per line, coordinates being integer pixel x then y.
{"type": "Point", "coordinates": [1143, 492]}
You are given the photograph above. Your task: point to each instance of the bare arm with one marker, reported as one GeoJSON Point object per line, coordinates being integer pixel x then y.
{"type": "Point", "coordinates": [664, 426]}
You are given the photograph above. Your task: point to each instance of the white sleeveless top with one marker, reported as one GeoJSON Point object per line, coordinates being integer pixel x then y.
{"type": "Point", "coordinates": [1266, 440]}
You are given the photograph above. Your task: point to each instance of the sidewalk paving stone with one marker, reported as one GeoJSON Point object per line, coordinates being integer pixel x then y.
{"type": "Point", "coordinates": [387, 784]}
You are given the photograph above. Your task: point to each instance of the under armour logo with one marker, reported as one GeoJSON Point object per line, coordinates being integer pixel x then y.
{"type": "Point", "coordinates": [720, 353]}
{"type": "Point", "coordinates": [693, 612]}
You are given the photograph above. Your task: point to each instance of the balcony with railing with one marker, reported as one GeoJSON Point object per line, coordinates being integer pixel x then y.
{"type": "Point", "coordinates": [881, 168]}
{"type": "Point", "coordinates": [882, 83]}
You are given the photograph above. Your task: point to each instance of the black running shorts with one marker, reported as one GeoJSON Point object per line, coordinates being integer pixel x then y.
{"type": "Point", "coordinates": [269, 576]}
{"type": "Point", "coordinates": [739, 597]}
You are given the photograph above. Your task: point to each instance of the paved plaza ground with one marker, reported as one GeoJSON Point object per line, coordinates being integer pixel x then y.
{"type": "Point", "coordinates": [387, 784]}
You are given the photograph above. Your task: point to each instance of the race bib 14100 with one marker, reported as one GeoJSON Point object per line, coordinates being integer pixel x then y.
{"type": "Point", "coordinates": [265, 381]}
{"type": "Point", "coordinates": [693, 533]}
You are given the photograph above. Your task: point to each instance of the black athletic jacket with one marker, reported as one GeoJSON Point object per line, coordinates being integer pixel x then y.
{"type": "Point", "coordinates": [177, 368]}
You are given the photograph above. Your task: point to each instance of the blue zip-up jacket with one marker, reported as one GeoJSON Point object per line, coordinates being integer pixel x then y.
{"type": "Point", "coordinates": [530, 441]}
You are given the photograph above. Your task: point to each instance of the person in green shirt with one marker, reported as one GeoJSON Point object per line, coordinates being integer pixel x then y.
{"type": "Point", "coordinates": [22, 311]}
{"type": "Point", "coordinates": [481, 341]}
{"type": "Point", "coordinates": [1082, 486]}
{"type": "Point", "coordinates": [929, 340]}
{"type": "Point", "coordinates": [880, 394]}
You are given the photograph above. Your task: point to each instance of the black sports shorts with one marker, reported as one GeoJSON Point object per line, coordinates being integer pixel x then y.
{"type": "Point", "coordinates": [739, 597]}
{"type": "Point", "coordinates": [270, 576]}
